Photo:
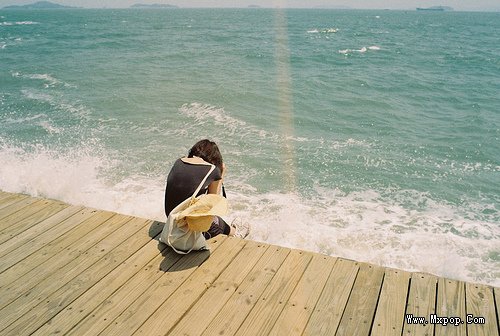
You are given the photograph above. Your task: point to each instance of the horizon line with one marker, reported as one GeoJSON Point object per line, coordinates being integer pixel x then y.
{"type": "Point", "coordinates": [147, 6]}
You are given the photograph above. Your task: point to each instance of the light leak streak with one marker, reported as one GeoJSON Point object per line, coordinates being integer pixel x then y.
{"type": "Point", "coordinates": [284, 87]}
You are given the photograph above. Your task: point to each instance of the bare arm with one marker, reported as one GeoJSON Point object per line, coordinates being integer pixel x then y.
{"type": "Point", "coordinates": [216, 186]}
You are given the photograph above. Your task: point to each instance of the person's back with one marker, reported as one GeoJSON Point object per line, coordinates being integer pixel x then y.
{"type": "Point", "coordinates": [187, 174]}
{"type": "Point", "coordinates": [184, 178]}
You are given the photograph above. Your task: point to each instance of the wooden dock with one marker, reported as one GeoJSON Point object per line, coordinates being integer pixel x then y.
{"type": "Point", "coordinates": [71, 270]}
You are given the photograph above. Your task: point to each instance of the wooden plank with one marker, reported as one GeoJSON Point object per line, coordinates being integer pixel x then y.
{"type": "Point", "coordinates": [139, 291]}
{"type": "Point", "coordinates": [360, 309]}
{"type": "Point", "coordinates": [392, 304]}
{"type": "Point", "coordinates": [18, 222]}
{"type": "Point", "coordinates": [133, 273]}
{"type": "Point", "coordinates": [35, 261]}
{"type": "Point", "coordinates": [421, 304]}
{"type": "Point", "coordinates": [232, 315]}
{"type": "Point", "coordinates": [93, 316]}
{"type": "Point", "coordinates": [19, 204]}
{"type": "Point", "coordinates": [194, 266]}
{"type": "Point", "coordinates": [16, 211]}
{"type": "Point", "coordinates": [60, 269]}
{"type": "Point", "coordinates": [191, 290]}
{"type": "Point", "coordinates": [450, 304]}
{"type": "Point", "coordinates": [330, 307]}
{"type": "Point", "coordinates": [115, 248]}
{"type": "Point", "coordinates": [38, 242]}
{"type": "Point", "coordinates": [300, 306]}
{"type": "Point", "coordinates": [11, 199]}
{"type": "Point", "coordinates": [266, 311]}
{"type": "Point", "coordinates": [29, 227]}
{"type": "Point", "coordinates": [61, 274]}
{"type": "Point", "coordinates": [220, 291]}
{"type": "Point", "coordinates": [481, 319]}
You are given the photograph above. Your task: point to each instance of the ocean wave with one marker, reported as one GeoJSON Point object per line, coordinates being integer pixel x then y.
{"type": "Point", "coordinates": [49, 128]}
{"type": "Point", "coordinates": [50, 81]}
{"type": "Point", "coordinates": [207, 115]}
{"type": "Point", "coordinates": [204, 114]}
{"type": "Point", "coordinates": [323, 30]}
{"type": "Point", "coordinates": [22, 120]}
{"type": "Point", "coordinates": [361, 50]}
{"type": "Point", "coordinates": [18, 23]}
{"type": "Point", "coordinates": [405, 229]}
{"type": "Point", "coordinates": [57, 102]}
{"type": "Point", "coordinates": [369, 227]}
{"type": "Point", "coordinates": [85, 175]}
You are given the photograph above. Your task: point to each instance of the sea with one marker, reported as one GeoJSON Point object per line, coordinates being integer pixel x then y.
{"type": "Point", "coordinates": [368, 135]}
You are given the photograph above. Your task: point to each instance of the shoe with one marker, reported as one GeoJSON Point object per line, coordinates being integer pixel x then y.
{"type": "Point", "coordinates": [242, 229]}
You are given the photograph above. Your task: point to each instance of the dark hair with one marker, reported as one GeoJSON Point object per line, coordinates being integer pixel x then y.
{"type": "Point", "coordinates": [208, 151]}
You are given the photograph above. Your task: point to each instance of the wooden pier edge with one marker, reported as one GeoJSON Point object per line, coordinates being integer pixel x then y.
{"type": "Point", "coordinates": [71, 270]}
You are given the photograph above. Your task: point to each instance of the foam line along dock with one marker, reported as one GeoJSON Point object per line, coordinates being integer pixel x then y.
{"type": "Point", "coordinates": [72, 270]}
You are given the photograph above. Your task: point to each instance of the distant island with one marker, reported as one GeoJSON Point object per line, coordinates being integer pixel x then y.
{"type": "Point", "coordinates": [38, 5]}
{"type": "Point", "coordinates": [436, 8]}
{"type": "Point", "coordinates": [253, 6]}
{"type": "Point", "coordinates": [153, 6]}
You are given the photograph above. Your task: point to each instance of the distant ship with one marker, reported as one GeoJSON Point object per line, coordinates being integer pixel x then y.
{"type": "Point", "coordinates": [435, 9]}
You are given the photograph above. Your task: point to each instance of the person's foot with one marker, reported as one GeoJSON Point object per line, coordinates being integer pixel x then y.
{"type": "Point", "coordinates": [241, 228]}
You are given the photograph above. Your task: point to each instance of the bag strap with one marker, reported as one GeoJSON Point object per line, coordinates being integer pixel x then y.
{"type": "Point", "coordinates": [212, 167]}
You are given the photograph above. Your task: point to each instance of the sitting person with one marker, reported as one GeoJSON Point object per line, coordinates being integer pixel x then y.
{"type": "Point", "coordinates": [186, 175]}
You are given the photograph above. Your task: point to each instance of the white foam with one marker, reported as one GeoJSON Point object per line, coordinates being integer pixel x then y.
{"type": "Point", "coordinates": [27, 23]}
{"type": "Point", "coordinates": [361, 50]}
{"type": "Point", "coordinates": [6, 23]}
{"type": "Point", "coordinates": [364, 226]}
{"type": "Point", "coordinates": [36, 95]}
{"type": "Point", "coordinates": [57, 102]}
{"type": "Point", "coordinates": [50, 81]}
{"type": "Point", "coordinates": [204, 114]}
{"type": "Point", "coordinates": [396, 228]}
{"type": "Point", "coordinates": [323, 30]}
{"type": "Point", "coordinates": [24, 119]}
{"type": "Point", "coordinates": [47, 126]}
{"type": "Point", "coordinates": [82, 175]}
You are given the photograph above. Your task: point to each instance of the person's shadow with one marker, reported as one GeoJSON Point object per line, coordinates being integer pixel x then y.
{"type": "Point", "coordinates": [172, 261]}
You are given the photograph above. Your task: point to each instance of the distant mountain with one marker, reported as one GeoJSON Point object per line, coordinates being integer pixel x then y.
{"type": "Point", "coordinates": [39, 5]}
{"type": "Point", "coordinates": [153, 6]}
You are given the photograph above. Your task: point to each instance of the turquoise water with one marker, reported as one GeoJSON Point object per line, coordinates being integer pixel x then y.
{"type": "Point", "coordinates": [371, 135]}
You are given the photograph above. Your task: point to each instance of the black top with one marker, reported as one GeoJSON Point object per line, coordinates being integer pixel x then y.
{"type": "Point", "coordinates": [183, 180]}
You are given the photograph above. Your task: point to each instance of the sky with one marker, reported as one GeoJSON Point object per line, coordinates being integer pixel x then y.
{"type": "Point", "coordinates": [474, 5]}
